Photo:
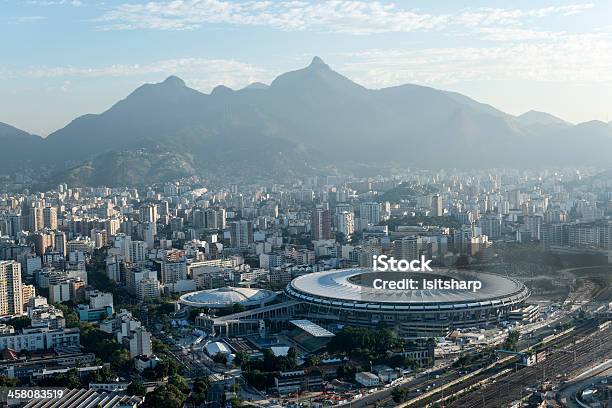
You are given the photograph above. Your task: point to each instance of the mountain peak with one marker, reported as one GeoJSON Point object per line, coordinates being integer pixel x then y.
{"type": "Point", "coordinates": [257, 85]}
{"type": "Point", "coordinates": [221, 90]}
{"type": "Point", "coordinates": [534, 117]}
{"type": "Point", "coordinates": [173, 80]}
{"type": "Point", "coordinates": [9, 130]}
{"type": "Point", "coordinates": [317, 62]}
{"type": "Point", "coordinates": [318, 75]}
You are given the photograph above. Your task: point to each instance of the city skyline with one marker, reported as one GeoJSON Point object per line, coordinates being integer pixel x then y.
{"type": "Point", "coordinates": [177, 282]}
{"type": "Point", "coordinates": [91, 54]}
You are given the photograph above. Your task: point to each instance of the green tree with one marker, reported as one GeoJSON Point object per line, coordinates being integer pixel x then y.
{"type": "Point", "coordinates": [292, 357]}
{"type": "Point", "coordinates": [312, 361]}
{"type": "Point", "coordinates": [120, 359]}
{"type": "Point", "coordinates": [220, 358]}
{"type": "Point", "coordinates": [149, 374]}
{"type": "Point", "coordinates": [240, 358]}
{"type": "Point", "coordinates": [399, 360]}
{"type": "Point", "coordinates": [340, 238]}
{"type": "Point", "coordinates": [256, 378]}
{"type": "Point", "coordinates": [399, 394]}
{"type": "Point", "coordinates": [72, 319]}
{"type": "Point", "coordinates": [200, 390]}
{"type": "Point", "coordinates": [201, 385]}
{"type": "Point", "coordinates": [165, 396]}
{"type": "Point", "coordinates": [511, 341]}
{"type": "Point", "coordinates": [462, 262]}
{"type": "Point", "coordinates": [166, 368]}
{"type": "Point", "coordinates": [20, 322]}
{"type": "Point", "coordinates": [346, 371]}
{"type": "Point", "coordinates": [72, 379]}
{"type": "Point", "coordinates": [270, 362]}
{"type": "Point", "coordinates": [352, 339]}
{"type": "Point", "coordinates": [160, 347]}
{"type": "Point", "coordinates": [136, 388]}
{"type": "Point", "coordinates": [103, 375]}
{"type": "Point", "coordinates": [8, 382]}
{"type": "Point", "coordinates": [179, 382]}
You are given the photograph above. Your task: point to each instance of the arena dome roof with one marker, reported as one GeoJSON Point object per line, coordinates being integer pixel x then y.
{"type": "Point", "coordinates": [225, 297]}
{"type": "Point", "coordinates": [349, 287]}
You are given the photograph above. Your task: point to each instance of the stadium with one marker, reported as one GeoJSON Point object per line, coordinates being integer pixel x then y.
{"type": "Point", "coordinates": [222, 298]}
{"type": "Point", "coordinates": [347, 297]}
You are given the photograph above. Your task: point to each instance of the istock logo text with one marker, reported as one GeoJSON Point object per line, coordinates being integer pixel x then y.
{"type": "Point", "coordinates": [383, 263]}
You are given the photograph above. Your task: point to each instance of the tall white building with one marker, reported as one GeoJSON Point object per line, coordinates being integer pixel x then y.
{"type": "Point", "coordinates": [345, 223]}
{"type": "Point", "coordinates": [214, 218]}
{"type": "Point", "coordinates": [147, 288]}
{"type": "Point", "coordinates": [138, 251]}
{"type": "Point", "coordinates": [140, 343]}
{"type": "Point", "coordinates": [50, 217]}
{"type": "Point", "coordinates": [437, 208]}
{"type": "Point", "coordinates": [221, 217]}
{"type": "Point", "coordinates": [59, 291]}
{"type": "Point", "coordinates": [113, 268]}
{"type": "Point", "coordinates": [149, 231]}
{"type": "Point", "coordinates": [10, 288]}
{"type": "Point", "coordinates": [371, 212]}
{"type": "Point", "coordinates": [27, 292]}
{"type": "Point", "coordinates": [59, 244]}
{"type": "Point", "coordinates": [533, 225]}
{"type": "Point", "coordinates": [491, 225]}
{"type": "Point", "coordinates": [124, 243]}
{"type": "Point", "coordinates": [241, 234]}
{"type": "Point", "coordinates": [99, 300]}
{"type": "Point", "coordinates": [134, 275]}
{"type": "Point", "coordinates": [173, 271]}
{"type": "Point", "coordinates": [148, 213]}
{"type": "Point", "coordinates": [408, 248]}
{"type": "Point", "coordinates": [98, 237]}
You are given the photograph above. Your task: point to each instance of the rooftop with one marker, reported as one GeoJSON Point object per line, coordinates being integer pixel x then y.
{"type": "Point", "coordinates": [311, 328]}
{"type": "Point", "coordinates": [224, 297]}
{"type": "Point", "coordinates": [348, 286]}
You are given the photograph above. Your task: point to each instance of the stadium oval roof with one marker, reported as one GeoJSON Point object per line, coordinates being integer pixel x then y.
{"type": "Point", "coordinates": [345, 288]}
{"type": "Point", "coordinates": [228, 296]}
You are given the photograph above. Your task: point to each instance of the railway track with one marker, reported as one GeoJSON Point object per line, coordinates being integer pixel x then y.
{"type": "Point", "coordinates": [509, 365]}
{"type": "Point", "coordinates": [604, 290]}
{"type": "Point", "coordinates": [569, 359]}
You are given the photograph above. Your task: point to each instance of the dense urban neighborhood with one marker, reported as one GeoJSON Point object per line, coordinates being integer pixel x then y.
{"type": "Point", "coordinates": [179, 293]}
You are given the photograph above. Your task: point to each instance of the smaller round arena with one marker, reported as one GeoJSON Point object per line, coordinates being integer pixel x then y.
{"type": "Point", "coordinates": [227, 297]}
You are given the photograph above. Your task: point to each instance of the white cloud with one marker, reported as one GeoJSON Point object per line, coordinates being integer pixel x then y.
{"type": "Point", "coordinates": [350, 16]}
{"type": "Point", "coordinates": [27, 19]}
{"type": "Point", "coordinates": [75, 3]}
{"type": "Point", "coordinates": [567, 58]}
{"type": "Point", "coordinates": [200, 73]}
{"type": "Point", "coordinates": [568, 10]}
{"type": "Point", "coordinates": [560, 57]}
{"type": "Point", "coordinates": [514, 34]}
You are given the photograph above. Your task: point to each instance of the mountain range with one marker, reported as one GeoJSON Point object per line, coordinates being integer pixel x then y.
{"type": "Point", "coordinates": [303, 121]}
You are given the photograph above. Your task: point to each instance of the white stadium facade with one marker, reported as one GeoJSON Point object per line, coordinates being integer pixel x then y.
{"type": "Point", "coordinates": [346, 297]}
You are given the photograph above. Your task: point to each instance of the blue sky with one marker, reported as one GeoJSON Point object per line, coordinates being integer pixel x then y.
{"type": "Point", "coordinates": [64, 58]}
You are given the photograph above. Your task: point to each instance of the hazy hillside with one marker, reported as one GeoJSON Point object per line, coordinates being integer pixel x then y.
{"type": "Point", "coordinates": [305, 118]}
{"type": "Point", "coordinates": [18, 148]}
